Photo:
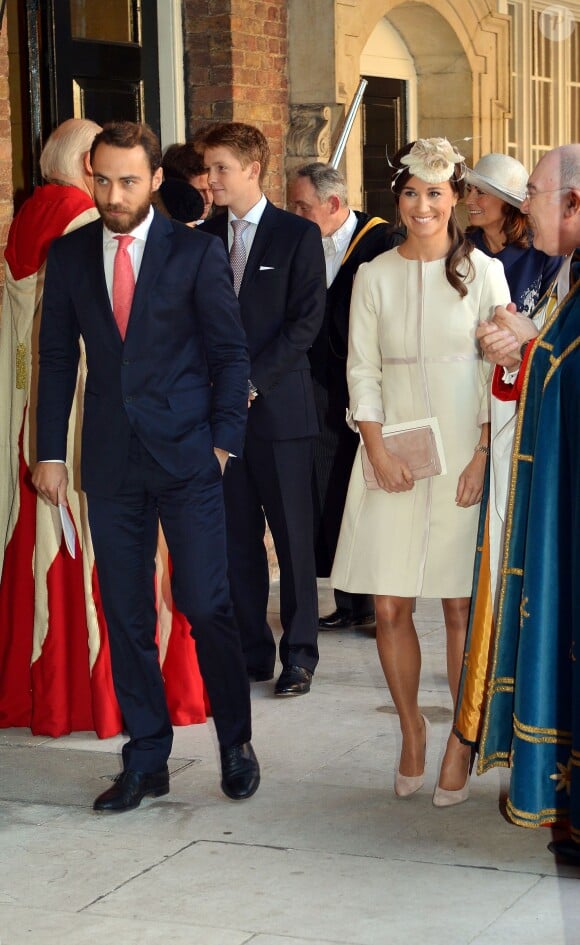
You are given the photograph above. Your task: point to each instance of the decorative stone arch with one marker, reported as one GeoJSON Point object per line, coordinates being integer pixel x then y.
{"type": "Point", "coordinates": [461, 54]}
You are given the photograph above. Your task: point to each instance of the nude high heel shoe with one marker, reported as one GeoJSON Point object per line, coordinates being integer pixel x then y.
{"type": "Point", "coordinates": [406, 786]}
{"type": "Point", "coordinates": [445, 798]}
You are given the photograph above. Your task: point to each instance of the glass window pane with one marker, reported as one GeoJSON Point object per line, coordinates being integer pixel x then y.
{"type": "Point", "coordinates": [542, 49]}
{"type": "Point", "coordinates": [108, 20]}
{"type": "Point", "coordinates": [574, 90]}
{"type": "Point", "coordinates": [575, 112]}
{"type": "Point", "coordinates": [542, 114]}
{"type": "Point", "coordinates": [514, 119]}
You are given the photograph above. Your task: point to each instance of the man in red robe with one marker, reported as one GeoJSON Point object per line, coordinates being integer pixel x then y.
{"type": "Point", "coordinates": [54, 662]}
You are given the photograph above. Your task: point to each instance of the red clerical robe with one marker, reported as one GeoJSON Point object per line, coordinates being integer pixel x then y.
{"type": "Point", "coordinates": [55, 674]}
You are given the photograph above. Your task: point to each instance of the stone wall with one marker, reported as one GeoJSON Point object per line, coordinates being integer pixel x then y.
{"type": "Point", "coordinates": [236, 70]}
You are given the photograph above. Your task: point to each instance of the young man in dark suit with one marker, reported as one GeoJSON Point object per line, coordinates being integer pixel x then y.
{"type": "Point", "coordinates": [278, 270]}
{"type": "Point", "coordinates": [165, 403]}
{"type": "Point", "coordinates": [318, 193]}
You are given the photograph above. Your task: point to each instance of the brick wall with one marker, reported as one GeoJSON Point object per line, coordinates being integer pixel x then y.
{"type": "Point", "coordinates": [236, 70]}
{"type": "Point", "coordinates": [6, 205]}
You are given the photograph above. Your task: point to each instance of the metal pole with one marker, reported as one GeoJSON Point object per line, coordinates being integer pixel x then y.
{"type": "Point", "coordinates": [340, 145]}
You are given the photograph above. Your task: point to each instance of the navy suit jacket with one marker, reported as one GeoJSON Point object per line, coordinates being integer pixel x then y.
{"type": "Point", "coordinates": [282, 298]}
{"type": "Point", "coordinates": [180, 379]}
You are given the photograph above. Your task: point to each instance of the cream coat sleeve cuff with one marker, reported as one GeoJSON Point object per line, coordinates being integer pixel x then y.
{"type": "Point", "coordinates": [362, 412]}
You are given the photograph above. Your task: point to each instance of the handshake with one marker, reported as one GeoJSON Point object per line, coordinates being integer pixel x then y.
{"type": "Point", "coordinates": [503, 338]}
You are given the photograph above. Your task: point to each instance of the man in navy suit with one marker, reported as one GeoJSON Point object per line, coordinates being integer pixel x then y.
{"type": "Point", "coordinates": [279, 274]}
{"type": "Point", "coordinates": [165, 405]}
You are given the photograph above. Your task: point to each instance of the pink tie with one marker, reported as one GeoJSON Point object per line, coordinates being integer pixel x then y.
{"type": "Point", "coordinates": [123, 284]}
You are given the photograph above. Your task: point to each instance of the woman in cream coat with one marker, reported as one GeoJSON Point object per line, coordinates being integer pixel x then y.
{"type": "Point", "coordinates": [413, 355]}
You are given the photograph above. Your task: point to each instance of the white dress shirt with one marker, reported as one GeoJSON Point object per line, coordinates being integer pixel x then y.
{"type": "Point", "coordinates": [135, 250]}
{"type": "Point", "coordinates": [253, 217]}
{"type": "Point", "coordinates": [335, 247]}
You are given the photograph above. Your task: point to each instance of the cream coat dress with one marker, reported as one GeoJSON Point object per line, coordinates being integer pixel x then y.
{"type": "Point", "coordinates": [413, 354]}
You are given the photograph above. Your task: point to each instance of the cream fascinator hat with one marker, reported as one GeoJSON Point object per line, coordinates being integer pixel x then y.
{"type": "Point", "coordinates": [432, 160]}
{"type": "Point", "coordinates": [501, 176]}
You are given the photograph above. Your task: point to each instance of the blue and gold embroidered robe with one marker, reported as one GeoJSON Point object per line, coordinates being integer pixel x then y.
{"type": "Point", "coordinates": [532, 708]}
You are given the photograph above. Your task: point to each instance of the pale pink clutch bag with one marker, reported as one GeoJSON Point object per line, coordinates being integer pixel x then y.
{"type": "Point", "coordinates": [417, 447]}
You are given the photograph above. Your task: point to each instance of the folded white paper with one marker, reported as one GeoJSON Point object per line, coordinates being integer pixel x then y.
{"type": "Point", "coordinates": [67, 528]}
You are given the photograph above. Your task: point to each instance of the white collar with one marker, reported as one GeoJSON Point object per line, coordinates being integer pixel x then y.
{"type": "Point", "coordinates": [254, 214]}
{"type": "Point", "coordinates": [340, 239]}
{"type": "Point", "coordinates": [139, 233]}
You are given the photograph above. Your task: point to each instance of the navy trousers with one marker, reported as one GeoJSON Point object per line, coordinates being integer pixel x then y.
{"type": "Point", "coordinates": [124, 530]}
{"type": "Point", "coordinates": [273, 481]}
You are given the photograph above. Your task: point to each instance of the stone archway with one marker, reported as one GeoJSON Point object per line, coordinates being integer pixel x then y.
{"type": "Point", "coordinates": [461, 56]}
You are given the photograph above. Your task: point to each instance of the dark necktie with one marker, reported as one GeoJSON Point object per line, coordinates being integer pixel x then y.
{"type": "Point", "coordinates": [238, 256]}
{"type": "Point", "coordinates": [123, 284]}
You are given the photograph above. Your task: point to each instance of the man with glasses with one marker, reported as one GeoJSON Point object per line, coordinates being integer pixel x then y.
{"type": "Point", "coordinates": [532, 713]}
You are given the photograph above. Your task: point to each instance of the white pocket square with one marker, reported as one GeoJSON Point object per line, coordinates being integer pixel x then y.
{"type": "Point", "coordinates": [263, 268]}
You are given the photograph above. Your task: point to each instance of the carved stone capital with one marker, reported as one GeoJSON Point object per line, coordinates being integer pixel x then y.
{"type": "Point", "coordinates": [309, 132]}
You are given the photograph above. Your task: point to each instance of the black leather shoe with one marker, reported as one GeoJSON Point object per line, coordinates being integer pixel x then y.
{"type": "Point", "coordinates": [566, 850]}
{"type": "Point", "coordinates": [341, 619]}
{"type": "Point", "coordinates": [240, 771]}
{"type": "Point", "coordinates": [293, 681]}
{"type": "Point", "coordinates": [130, 788]}
{"type": "Point", "coordinates": [260, 675]}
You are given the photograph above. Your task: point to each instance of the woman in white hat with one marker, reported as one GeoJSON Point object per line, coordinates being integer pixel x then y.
{"type": "Point", "coordinates": [413, 355]}
{"type": "Point", "coordinates": [495, 191]}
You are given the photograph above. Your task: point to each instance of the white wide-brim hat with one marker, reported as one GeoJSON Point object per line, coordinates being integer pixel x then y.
{"type": "Point", "coordinates": [500, 175]}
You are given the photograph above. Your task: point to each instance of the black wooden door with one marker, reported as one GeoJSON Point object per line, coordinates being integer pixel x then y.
{"type": "Point", "coordinates": [93, 60]}
{"type": "Point", "coordinates": [384, 128]}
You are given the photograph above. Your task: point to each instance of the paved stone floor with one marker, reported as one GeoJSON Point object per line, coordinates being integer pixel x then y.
{"type": "Point", "coordinates": [324, 853]}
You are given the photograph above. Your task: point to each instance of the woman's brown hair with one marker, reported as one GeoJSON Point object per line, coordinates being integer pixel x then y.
{"type": "Point", "coordinates": [516, 227]}
{"type": "Point", "coordinates": [458, 265]}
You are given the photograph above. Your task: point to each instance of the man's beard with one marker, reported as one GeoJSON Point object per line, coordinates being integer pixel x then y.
{"type": "Point", "coordinates": [126, 223]}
